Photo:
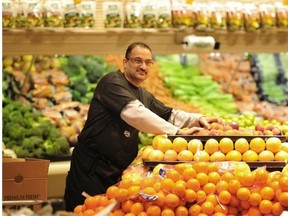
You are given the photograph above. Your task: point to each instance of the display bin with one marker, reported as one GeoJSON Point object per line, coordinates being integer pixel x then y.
{"type": "Point", "coordinates": [24, 179]}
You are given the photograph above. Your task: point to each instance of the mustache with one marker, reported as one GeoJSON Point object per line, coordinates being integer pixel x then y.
{"type": "Point", "coordinates": [142, 70]}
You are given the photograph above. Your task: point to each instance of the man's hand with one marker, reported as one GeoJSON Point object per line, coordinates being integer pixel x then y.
{"type": "Point", "coordinates": [206, 121]}
{"type": "Point", "coordinates": [189, 131]}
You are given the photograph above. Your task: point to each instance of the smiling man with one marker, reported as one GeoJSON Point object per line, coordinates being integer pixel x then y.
{"type": "Point", "coordinates": [119, 109]}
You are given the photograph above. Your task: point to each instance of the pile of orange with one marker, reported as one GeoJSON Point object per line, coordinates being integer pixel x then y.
{"type": "Point", "coordinates": [201, 188]}
{"type": "Point", "coordinates": [224, 149]}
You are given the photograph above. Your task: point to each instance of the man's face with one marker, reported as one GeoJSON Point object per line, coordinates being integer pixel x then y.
{"type": "Point", "coordinates": [137, 66]}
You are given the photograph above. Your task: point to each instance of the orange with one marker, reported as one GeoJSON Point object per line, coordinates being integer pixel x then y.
{"type": "Point", "coordinates": [193, 184]}
{"type": "Point", "coordinates": [277, 208]}
{"type": "Point", "coordinates": [173, 174]}
{"type": "Point", "coordinates": [207, 208]}
{"type": "Point", "coordinates": [212, 167]}
{"type": "Point", "coordinates": [214, 177]}
{"type": "Point", "coordinates": [201, 156]}
{"type": "Point", "coordinates": [164, 144]}
{"type": "Point", "coordinates": [257, 144]}
{"type": "Point", "coordinates": [243, 193]}
{"type": "Point", "coordinates": [188, 173]}
{"type": "Point", "coordinates": [221, 186]}
{"type": "Point", "coordinates": [185, 155]}
{"type": "Point", "coordinates": [153, 210]}
{"type": "Point", "coordinates": [232, 210]}
{"type": "Point", "coordinates": [209, 188]}
{"type": "Point", "coordinates": [167, 184]}
{"type": "Point", "coordinates": [250, 156]}
{"type": "Point", "coordinates": [217, 156]}
{"type": "Point", "coordinates": [156, 155]}
{"type": "Point", "coordinates": [267, 193]}
{"type": "Point", "coordinates": [119, 212]}
{"type": "Point", "coordinates": [194, 210]}
{"type": "Point", "coordinates": [266, 155]}
{"type": "Point", "coordinates": [121, 194]}
{"type": "Point", "coordinates": [255, 198]}
{"type": "Point", "coordinates": [220, 208]}
{"type": "Point", "coordinates": [190, 195]}
{"type": "Point", "coordinates": [88, 212]}
{"type": "Point", "coordinates": [273, 144]}
{"type": "Point", "coordinates": [233, 186]}
{"type": "Point", "coordinates": [181, 211]}
{"type": "Point", "coordinates": [149, 190]}
{"type": "Point", "coordinates": [245, 204]}
{"type": "Point", "coordinates": [180, 167]}
{"type": "Point", "coordinates": [147, 182]}
{"type": "Point", "coordinates": [212, 198]}
{"type": "Point", "coordinates": [246, 179]}
{"type": "Point", "coordinates": [227, 176]}
{"type": "Point", "coordinates": [254, 211]}
{"type": "Point", "coordinates": [156, 139]}
{"type": "Point", "coordinates": [265, 206]}
{"type": "Point", "coordinates": [179, 188]}
{"type": "Point", "coordinates": [283, 199]}
{"type": "Point", "coordinates": [195, 145]}
{"type": "Point", "coordinates": [172, 200]}
{"type": "Point", "coordinates": [157, 186]}
{"type": "Point", "coordinates": [126, 205]}
{"type": "Point", "coordinates": [283, 183]}
{"type": "Point", "coordinates": [103, 201]}
{"type": "Point", "coordinates": [91, 202]}
{"type": "Point", "coordinates": [179, 144]}
{"type": "Point", "coordinates": [233, 155]}
{"type": "Point", "coordinates": [146, 151]}
{"type": "Point", "coordinates": [241, 145]}
{"type": "Point", "coordinates": [200, 196]}
{"type": "Point", "coordinates": [201, 166]}
{"type": "Point", "coordinates": [226, 145]}
{"type": "Point", "coordinates": [202, 178]}
{"type": "Point", "coordinates": [224, 197]}
{"type": "Point", "coordinates": [235, 202]}
{"type": "Point", "coordinates": [78, 209]}
{"type": "Point", "coordinates": [133, 190]}
{"type": "Point", "coordinates": [167, 212]}
{"type": "Point", "coordinates": [170, 155]}
{"type": "Point", "coordinates": [160, 201]}
{"type": "Point", "coordinates": [261, 176]}
{"type": "Point", "coordinates": [125, 183]}
{"type": "Point", "coordinates": [281, 156]}
{"type": "Point", "coordinates": [211, 146]}
{"type": "Point", "coordinates": [137, 208]}
{"type": "Point", "coordinates": [284, 146]}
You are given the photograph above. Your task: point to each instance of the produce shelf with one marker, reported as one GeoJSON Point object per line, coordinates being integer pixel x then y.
{"type": "Point", "coordinates": [80, 41]}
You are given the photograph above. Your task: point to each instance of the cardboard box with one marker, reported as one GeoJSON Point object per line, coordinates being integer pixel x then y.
{"type": "Point", "coordinates": [25, 179]}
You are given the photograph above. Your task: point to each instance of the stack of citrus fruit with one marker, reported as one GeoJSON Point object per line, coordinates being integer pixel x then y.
{"type": "Point", "coordinates": [222, 149]}
{"type": "Point", "coordinates": [201, 188]}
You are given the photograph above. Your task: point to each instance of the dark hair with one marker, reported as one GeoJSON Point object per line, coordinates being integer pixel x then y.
{"type": "Point", "coordinates": [135, 44]}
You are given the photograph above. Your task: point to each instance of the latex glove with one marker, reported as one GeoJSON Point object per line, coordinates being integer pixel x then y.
{"type": "Point", "coordinates": [189, 131]}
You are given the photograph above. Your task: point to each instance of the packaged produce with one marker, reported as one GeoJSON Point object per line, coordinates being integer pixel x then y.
{"type": "Point", "coordinates": [182, 15]}
{"type": "Point", "coordinates": [164, 18]}
{"type": "Point", "coordinates": [282, 15]}
{"type": "Point", "coordinates": [8, 14]}
{"type": "Point", "coordinates": [202, 15]}
{"type": "Point", "coordinates": [88, 12]}
{"type": "Point", "coordinates": [133, 15]}
{"type": "Point", "coordinates": [251, 17]}
{"type": "Point", "coordinates": [234, 15]}
{"type": "Point", "coordinates": [71, 14]}
{"type": "Point", "coordinates": [28, 14]}
{"type": "Point", "coordinates": [267, 16]}
{"type": "Point", "coordinates": [218, 16]}
{"type": "Point", "coordinates": [113, 14]}
{"type": "Point", "coordinates": [53, 13]}
{"type": "Point", "coordinates": [149, 14]}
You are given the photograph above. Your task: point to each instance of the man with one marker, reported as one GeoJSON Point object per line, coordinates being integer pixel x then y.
{"type": "Point", "coordinates": [119, 109]}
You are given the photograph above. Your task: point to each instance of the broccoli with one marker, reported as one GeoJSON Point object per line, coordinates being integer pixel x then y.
{"type": "Point", "coordinates": [36, 131]}
{"type": "Point", "coordinates": [14, 130]}
{"type": "Point", "coordinates": [20, 151]}
{"type": "Point", "coordinates": [32, 142]}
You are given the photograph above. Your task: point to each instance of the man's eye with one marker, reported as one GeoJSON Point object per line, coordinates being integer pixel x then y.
{"type": "Point", "coordinates": [138, 61]}
{"type": "Point", "coordinates": [148, 62]}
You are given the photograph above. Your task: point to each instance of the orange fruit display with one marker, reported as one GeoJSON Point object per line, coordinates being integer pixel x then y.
{"type": "Point", "coordinates": [211, 146]}
{"type": "Point", "coordinates": [233, 155]}
{"type": "Point", "coordinates": [164, 144]}
{"type": "Point", "coordinates": [195, 145]}
{"type": "Point", "coordinates": [241, 145]}
{"type": "Point", "coordinates": [250, 156]}
{"type": "Point", "coordinates": [179, 144]}
{"type": "Point", "coordinates": [266, 155]}
{"type": "Point", "coordinates": [185, 155]}
{"type": "Point", "coordinates": [257, 144]}
{"type": "Point", "coordinates": [226, 145]}
{"type": "Point", "coordinates": [273, 144]}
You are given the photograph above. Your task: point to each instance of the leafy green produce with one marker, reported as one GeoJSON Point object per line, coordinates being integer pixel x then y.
{"type": "Point", "coordinates": [30, 134]}
{"type": "Point", "coordinates": [189, 85]}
